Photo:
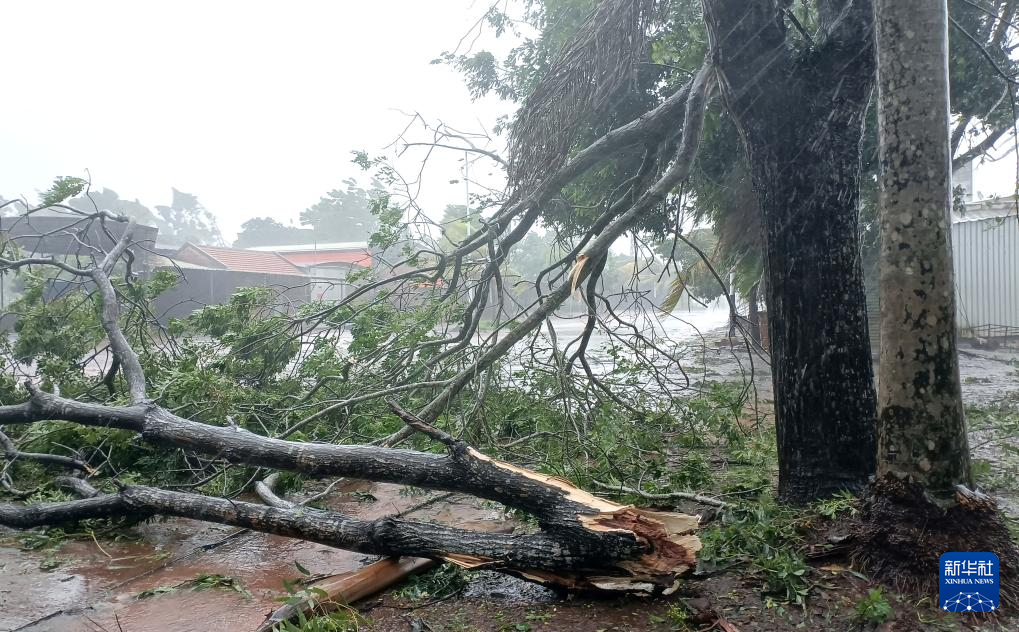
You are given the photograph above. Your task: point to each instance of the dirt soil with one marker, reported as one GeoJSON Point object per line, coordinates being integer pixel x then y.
{"type": "Point", "coordinates": [728, 599]}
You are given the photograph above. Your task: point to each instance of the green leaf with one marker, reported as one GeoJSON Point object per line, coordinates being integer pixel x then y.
{"type": "Point", "coordinates": [63, 187]}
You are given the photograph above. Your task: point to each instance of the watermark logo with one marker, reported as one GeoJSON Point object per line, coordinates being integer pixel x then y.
{"type": "Point", "coordinates": [969, 582]}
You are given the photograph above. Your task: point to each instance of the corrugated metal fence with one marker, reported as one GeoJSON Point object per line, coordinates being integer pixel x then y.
{"type": "Point", "coordinates": [986, 254]}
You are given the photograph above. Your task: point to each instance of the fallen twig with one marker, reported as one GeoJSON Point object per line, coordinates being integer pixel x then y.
{"type": "Point", "coordinates": [697, 498]}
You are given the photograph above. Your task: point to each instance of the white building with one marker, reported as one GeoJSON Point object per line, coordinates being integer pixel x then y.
{"type": "Point", "coordinates": [328, 265]}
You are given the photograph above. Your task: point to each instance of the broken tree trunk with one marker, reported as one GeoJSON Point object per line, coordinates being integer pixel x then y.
{"type": "Point", "coordinates": [585, 542]}
{"type": "Point", "coordinates": [342, 590]}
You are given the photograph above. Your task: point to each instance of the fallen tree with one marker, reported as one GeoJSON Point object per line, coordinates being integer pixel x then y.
{"type": "Point", "coordinates": [582, 542]}
{"type": "Point", "coordinates": [585, 542]}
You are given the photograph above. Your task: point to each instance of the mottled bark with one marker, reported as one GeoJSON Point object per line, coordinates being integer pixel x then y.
{"type": "Point", "coordinates": [921, 429]}
{"type": "Point", "coordinates": [801, 114]}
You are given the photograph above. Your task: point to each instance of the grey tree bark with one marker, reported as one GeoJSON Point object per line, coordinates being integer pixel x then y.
{"type": "Point", "coordinates": [921, 426]}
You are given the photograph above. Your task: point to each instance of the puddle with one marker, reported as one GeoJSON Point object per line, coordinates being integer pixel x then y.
{"type": "Point", "coordinates": [95, 587]}
{"type": "Point", "coordinates": [24, 588]}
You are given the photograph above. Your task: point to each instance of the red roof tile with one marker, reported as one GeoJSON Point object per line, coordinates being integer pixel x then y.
{"type": "Point", "coordinates": [242, 260]}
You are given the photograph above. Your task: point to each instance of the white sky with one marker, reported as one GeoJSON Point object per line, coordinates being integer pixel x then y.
{"type": "Point", "coordinates": [995, 175]}
{"type": "Point", "coordinates": [253, 106]}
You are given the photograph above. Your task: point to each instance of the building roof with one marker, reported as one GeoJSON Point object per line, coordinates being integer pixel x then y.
{"type": "Point", "coordinates": [68, 233]}
{"type": "Point", "coordinates": [163, 261]}
{"type": "Point", "coordinates": [994, 208]}
{"type": "Point", "coordinates": [319, 258]}
{"type": "Point", "coordinates": [315, 247]}
{"type": "Point", "coordinates": [237, 259]}
{"type": "Point", "coordinates": [342, 252]}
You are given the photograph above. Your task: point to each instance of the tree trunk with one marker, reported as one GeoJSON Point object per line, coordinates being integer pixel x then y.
{"type": "Point", "coordinates": [921, 426]}
{"type": "Point", "coordinates": [801, 119]}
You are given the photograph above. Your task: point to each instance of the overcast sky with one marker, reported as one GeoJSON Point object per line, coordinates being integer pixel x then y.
{"type": "Point", "coordinates": [253, 106]}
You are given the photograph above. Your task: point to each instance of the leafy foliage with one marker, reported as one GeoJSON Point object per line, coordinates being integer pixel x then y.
{"type": "Point", "coordinates": [63, 187]}
{"type": "Point", "coordinates": [186, 220]}
{"type": "Point", "coordinates": [983, 101]}
{"type": "Point", "coordinates": [440, 582]}
{"type": "Point", "coordinates": [694, 275]}
{"type": "Point", "coordinates": [198, 583]}
{"type": "Point", "coordinates": [326, 614]}
{"type": "Point", "coordinates": [761, 535]}
{"type": "Point", "coordinates": [842, 504]}
{"type": "Point", "coordinates": [874, 608]}
{"type": "Point", "coordinates": [56, 333]}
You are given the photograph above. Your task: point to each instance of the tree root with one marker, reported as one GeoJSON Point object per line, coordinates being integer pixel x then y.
{"type": "Point", "coordinates": [901, 534]}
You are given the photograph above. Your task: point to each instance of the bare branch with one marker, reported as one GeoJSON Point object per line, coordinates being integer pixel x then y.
{"type": "Point", "coordinates": [12, 454]}
{"type": "Point", "coordinates": [110, 317]}
{"type": "Point", "coordinates": [416, 423]}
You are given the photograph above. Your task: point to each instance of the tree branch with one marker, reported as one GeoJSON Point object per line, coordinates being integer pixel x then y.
{"type": "Point", "coordinates": [383, 536]}
{"type": "Point", "coordinates": [110, 317]}
{"type": "Point", "coordinates": [12, 454]}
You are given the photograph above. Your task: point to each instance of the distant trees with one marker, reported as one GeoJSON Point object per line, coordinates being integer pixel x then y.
{"type": "Point", "coordinates": [692, 273]}
{"type": "Point", "coordinates": [109, 200]}
{"type": "Point", "coordinates": [532, 255]}
{"type": "Point", "coordinates": [184, 220]}
{"type": "Point", "coordinates": [342, 214]}
{"type": "Point", "coordinates": [339, 215]}
{"type": "Point", "coordinates": [457, 224]}
{"type": "Point", "coordinates": [189, 221]}
{"type": "Point", "coordinates": [265, 231]}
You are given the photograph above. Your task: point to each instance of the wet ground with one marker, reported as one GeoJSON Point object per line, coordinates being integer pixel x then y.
{"type": "Point", "coordinates": [987, 375]}
{"type": "Point", "coordinates": [95, 585]}
{"type": "Point", "coordinates": [85, 585]}
{"type": "Point", "coordinates": [700, 340]}
{"type": "Point", "coordinates": [726, 602]}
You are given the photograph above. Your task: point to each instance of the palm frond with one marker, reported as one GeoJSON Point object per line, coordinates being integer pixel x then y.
{"type": "Point", "coordinates": [676, 289]}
